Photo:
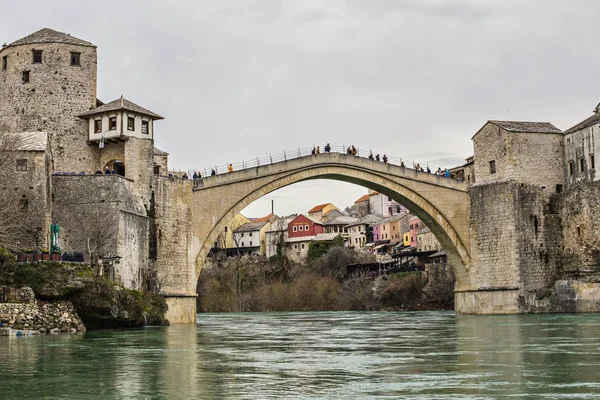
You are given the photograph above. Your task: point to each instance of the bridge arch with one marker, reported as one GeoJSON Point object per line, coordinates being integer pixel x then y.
{"type": "Point", "coordinates": [441, 203]}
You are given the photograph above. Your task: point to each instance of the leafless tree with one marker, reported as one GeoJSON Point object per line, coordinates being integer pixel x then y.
{"type": "Point", "coordinates": [359, 210]}
{"type": "Point", "coordinates": [95, 231]}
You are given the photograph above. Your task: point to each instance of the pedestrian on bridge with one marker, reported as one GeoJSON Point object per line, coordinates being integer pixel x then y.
{"type": "Point", "coordinates": [385, 159]}
{"type": "Point", "coordinates": [371, 155]}
{"type": "Point", "coordinates": [327, 148]}
{"type": "Point", "coordinates": [318, 150]}
{"type": "Point", "coordinates": [377, 156]}
{"type": "Point", "coordinates": [230, 168]}
{"type": "Point", "coordinates": [213, 172]}
{"type": "Point", "coordinates": [314, 151]}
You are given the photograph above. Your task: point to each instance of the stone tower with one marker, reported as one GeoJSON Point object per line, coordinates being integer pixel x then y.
{"type": "Point", "coordinates": [47, 79]}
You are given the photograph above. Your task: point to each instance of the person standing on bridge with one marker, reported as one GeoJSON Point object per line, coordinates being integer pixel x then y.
{"type": "Point", "coordinates": [371, 155]}
{"type": "Point", "coordinates": [195, 176]}
{"type": "Point", "coordinates": [213, 172]}
{"type": "Point", "coordinates": [230, 168]}
{"type": "Point", "coordinates": [327, 148]}
{"type": "Point", "coordinates": [318, 150]}
{"type": "Point", "coordinates": [377, 156]}
{"type": "Point", "coordinates": [314, 151]}
{"type": "Point", "coordinates": [385, 158]}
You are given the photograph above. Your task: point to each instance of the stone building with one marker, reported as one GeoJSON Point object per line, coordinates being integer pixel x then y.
{"type": "Point", "coordinates": [84, 164]}
{"type": "Point", "coordinates": [582, 143]}
{"type": "Point", "coordinates": [526, 152]}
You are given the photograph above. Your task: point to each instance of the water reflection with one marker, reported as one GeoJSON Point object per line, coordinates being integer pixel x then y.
{"type": "Point", "coordinates": [425, 355]}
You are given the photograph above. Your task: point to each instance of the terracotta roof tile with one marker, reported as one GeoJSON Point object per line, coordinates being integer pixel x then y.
{"type": "Point", "coordinates": [363, 198]}
{"type": "Point", "coordinates": [320, 207]}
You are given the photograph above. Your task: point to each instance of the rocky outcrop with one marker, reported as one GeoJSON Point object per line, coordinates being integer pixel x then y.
{"type": "Point", "coordinates": [29, 315]}
{"type": "Point", "coordinates": [99, 302]}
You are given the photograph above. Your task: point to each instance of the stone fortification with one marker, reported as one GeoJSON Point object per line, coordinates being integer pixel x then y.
{"type": "Point", "coordinates": [514, 245]}
{"type": "Point", "coordinates": [54, 95]}
{"type": "Point", "coordinates": [176, 247]}
{"type": "Point", "coordinates": [103, 209]}
{"type": "Point", "coordinates": [25, 314]}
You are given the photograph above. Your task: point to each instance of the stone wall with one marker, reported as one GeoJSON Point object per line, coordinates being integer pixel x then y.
{"type": "Point", "coordinates": [27, 314]}
{"type": "Point", "coordinates": [139, 166]}
{"type": "Point", "coordinates": [176, 247]}
{"type": "Point", "coordinates": [51, 102]}
{"type": "Point", "coordinates": [104, 209]}
{"type": "Point", "coordinates": [579, 212]}
{"type": "Point", "coordinates": [27, 194]}
{"type": "Point", "coordinates": [514, 243]}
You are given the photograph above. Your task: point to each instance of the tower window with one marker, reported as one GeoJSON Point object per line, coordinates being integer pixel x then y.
{"type": "Point", "coordinates": [37, 56]}
{"type": "Point", "coordinates": [145, 127]}
{"type": "Point", "coordinates": [98, 126]}
{"type": "Point", "coordinates": [493, 167]}
{"type": "Point", "coordinates": [592, 162]}
{"type": "Point", "coordinates": [75, 59]}
{"type": "Point", "coordinates": [25, 76]}
{"type": "Point", "coordinates": [22, 165]}
{"type": "Point", "coordinates": [4, 63]}
{"type": "Point", "coordinates": [130, 123]}
{"type": "Point", "coordinates": [112, 123]}
{"type": "Point", "coordinates": [570, 168]}
{"type": "Point", "coordinates": [580, 162]}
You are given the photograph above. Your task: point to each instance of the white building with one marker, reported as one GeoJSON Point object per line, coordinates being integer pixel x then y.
{"type": "Point", "coordinates": [247, 237]}
{"type": "Point", "coordinates": [278, 228]}
{"type": "Point", "coordinates": [358, 232]}
{"type": "Point", "coordinates": [384, 206]}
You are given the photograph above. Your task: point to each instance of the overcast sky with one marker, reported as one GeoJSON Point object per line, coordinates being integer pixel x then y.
{"type": "Point", "coordinates": [414, 78]}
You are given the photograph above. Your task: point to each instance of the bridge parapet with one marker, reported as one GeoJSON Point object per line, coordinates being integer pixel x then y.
{"type": "Point", "coordinates": [330, 159]}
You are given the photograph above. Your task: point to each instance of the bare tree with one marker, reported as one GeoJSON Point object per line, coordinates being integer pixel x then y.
{"type": "Point", "coordinates": [359, 210]}
{"type": "Point", "coordinates": [94, 231]}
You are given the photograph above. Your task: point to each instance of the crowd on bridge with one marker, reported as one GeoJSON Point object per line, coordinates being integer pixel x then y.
{"type": "Point", "coordinates": [350, 150]}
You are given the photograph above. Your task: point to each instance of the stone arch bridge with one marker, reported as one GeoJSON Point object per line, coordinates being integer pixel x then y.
{"type": "Point", "coordinates": [441, 203]}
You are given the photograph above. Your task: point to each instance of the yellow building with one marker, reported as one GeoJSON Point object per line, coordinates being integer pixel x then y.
{"type": "Point", "coordinates": [226, 236]}
{"type": "Point", "coordinates": [317, 212]}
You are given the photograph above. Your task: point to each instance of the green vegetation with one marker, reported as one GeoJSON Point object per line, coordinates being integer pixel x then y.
{"type": "Point", "coordinates": [99, 302]}
{"type": "Point", "coordinates": [252, 284]}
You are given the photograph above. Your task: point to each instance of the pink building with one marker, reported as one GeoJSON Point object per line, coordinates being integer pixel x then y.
{"type": "Point", "coordinates": [415, 226]}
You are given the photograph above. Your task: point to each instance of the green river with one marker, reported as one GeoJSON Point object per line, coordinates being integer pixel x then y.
{"type": "Point", "coordinates": [328, 355]}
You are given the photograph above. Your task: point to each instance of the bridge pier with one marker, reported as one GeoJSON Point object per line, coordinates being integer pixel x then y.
{"type": "Point", "coordinates": [182, 308]}
{"type": "Point", "coordinates": [493, 301]}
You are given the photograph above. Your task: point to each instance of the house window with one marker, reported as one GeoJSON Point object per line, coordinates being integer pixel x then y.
{"type": "Point", "coordinates": [580, 162]}
{"type": "Point", "coordinates": [242, 235]}
{"type": "Point", "coordinates": [250, 234]}
{"type": "Point", "coordinates": [493, 167]}
{"type": "Point", "coordinates": [145, 127]}
{"type": "Point", "coordinates": [295, 228]}
{"type": "Point", "coordinates": [300, 227]}
{"type": "Point", "coordinates": [37, 56]}
{"type": "Point", "coordinates": [416, 226]}
{"type": "Point", "coordinates": [25, 76]}
{"type": "Point", "coordinates": [112, 123]}
{"type": "Point", "coordinates": [571, 168]}
{"type": "Point", "coordinates": [578, 231]}
{"type": "Point", "coordinates": [398, 209]}
{"type": "Point", "coordinates": [98, 126]}
{"type": "Point", "coordinates": [393, 227]}
{"type": "Point", "coordinates": [251, 243]}
{"type": "Point", "coordinates": [592, 162]}
{"type": "Point", "coordinates": [4, 63]}
{"type": "Point", "coordinates": [75, 59]}
{"type": "Point", "coordinates": [130, 123]}
{"type": "Point", "coordinates": [22, 165]}
{"type": "Point", "coordinates": [306, 227]}
{"type": "Point", "coordinates": [242, 244]}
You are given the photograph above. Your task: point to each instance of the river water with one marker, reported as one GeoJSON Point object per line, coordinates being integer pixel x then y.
{"type": "Point", "coordinates": [410, 355]}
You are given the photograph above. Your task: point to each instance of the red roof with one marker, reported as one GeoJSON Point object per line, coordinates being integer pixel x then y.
{"type": "Point", "coordinates": [320, 207]}
{"type": "Point", "coordinates": [363, 198]}
{"type": "Point", "coordinates": [263, 219]}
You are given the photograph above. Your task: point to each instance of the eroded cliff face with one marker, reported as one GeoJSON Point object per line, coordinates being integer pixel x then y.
{"type": "Point", "coordinates": [97, 301]}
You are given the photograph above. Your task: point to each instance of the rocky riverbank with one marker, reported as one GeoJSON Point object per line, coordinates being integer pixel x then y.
{"type": "Point", "coordinates": [29, 315]}
{"type": "Point", "coordinates": [69, 296]}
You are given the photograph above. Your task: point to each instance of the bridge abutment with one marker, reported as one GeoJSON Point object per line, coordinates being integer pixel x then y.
{"type": "Point", "coordinates": [181, 309]}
